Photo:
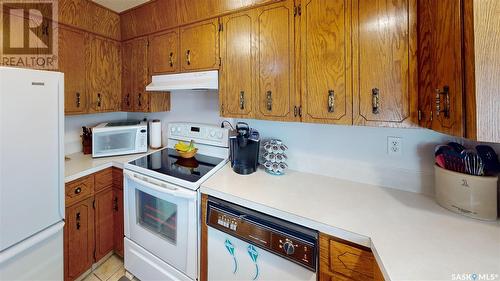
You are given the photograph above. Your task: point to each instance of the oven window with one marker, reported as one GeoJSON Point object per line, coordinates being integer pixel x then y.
{"type": "Point", "coordinates": [156, 215]}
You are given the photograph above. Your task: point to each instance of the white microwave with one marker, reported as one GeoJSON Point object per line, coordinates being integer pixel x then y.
{"type": "Point", "coordinates": [119, 138]}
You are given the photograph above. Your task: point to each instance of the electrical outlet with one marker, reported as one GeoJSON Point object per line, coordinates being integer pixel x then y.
{"type": "Point", "coordinates": [394, 146]}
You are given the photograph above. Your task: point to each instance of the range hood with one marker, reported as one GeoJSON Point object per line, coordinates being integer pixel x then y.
{"type": "Point", "coordinates": [203, 80]}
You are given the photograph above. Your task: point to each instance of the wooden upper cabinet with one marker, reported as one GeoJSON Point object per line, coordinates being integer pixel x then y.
{"type": "Point", "coordinates": [384, 62]}
{"type": "Point", "coordinates": [199, 45]}
{"type": "Point", "coordinates": [104, 74]}
{"type": "Point", "coordinates": [72, 63]}
{"type": "Point", "coordinates": [141, 77]}
{"type": "Point", "coordinates": [275, 87]}
{"type": "Point", "coordinates": [88, 16]}
{"type": "Point", "coordinates": [325, 61]}
{"type": "Point", "coordinates": [127, 72]}
{"type": "Point", "coordinates": [237, 72]}
{"type": "Point", "coordinates": [482, 59]}
{"type": "Point", "coordinates": [78, 239]}
{"type": "Point", "coordinates": [104, 217]}
{"type": "Point", "coordinates": [440, 66]}
{"type": "Point", "coordinates": [164, 52]}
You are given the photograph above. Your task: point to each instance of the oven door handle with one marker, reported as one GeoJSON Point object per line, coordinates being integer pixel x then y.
{"type": "Point", "coordinates": [174, 191]}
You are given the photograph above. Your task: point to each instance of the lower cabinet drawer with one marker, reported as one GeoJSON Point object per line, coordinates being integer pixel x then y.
{"type": "Point", "coordinates": [79, 189]}
{"type": "Point", "coordinates": [103, 179]}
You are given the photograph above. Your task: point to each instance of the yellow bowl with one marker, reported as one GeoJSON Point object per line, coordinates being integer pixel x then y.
{"type": "Point", "coordinates": [189, 154]}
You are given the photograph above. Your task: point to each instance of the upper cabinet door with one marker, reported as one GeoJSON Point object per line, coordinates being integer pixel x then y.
{"type": "Point", "coordinates": [384, 62]}
{"type": "Point", "coordinates": [275, 91]}
{"type": "Point", "coordinates": [237, 78]}
{"type": "Point", "coordinates": [325, 60]}
{"type": "Point", "coordinates": [199, 44]}
{"type": "Point", "coordinates": [72, 64]}
{"type": "Point", "coordinates": [141, 74]}
{"type": "Point", "coordinates": [165, 52]}
{"type": "Point", "coordinates": [440, 66]}
{"type": "Point", "coordinates": [127, 72]}
{"type": "Point", "coordinates": [104, 74]}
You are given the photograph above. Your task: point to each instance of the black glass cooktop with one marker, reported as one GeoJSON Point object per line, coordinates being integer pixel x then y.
{"type": "Point", "coordinates": [168, 162]}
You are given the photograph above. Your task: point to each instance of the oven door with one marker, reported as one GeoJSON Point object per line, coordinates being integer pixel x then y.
{"type": "Point", "coordinates": [161, 217]}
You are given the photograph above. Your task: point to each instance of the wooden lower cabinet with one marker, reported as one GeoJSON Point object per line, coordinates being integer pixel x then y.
{"type": "Point", "coordinates": [104, 227]}
{"type": "Point", "coordinates": [78, 239]}
{"type": "Point", "coordinates": [340, 260]}
{"type": "Point", "coordinates": [118, 232]}
{"type": "Point", "coordinates": [118, 214]}
{"type": "Point", "coordinates": [94, 221]}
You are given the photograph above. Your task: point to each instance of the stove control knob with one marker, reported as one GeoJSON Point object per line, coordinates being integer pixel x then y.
{"type": "Point", "coordinates": [289, 248]}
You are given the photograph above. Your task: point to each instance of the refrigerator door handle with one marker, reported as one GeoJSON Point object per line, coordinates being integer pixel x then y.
{"type": "Point", "coordinates": [20, 247]}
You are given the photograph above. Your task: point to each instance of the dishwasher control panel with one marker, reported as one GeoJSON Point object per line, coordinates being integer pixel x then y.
{"type": "Point", "coordinates": [293, 242]}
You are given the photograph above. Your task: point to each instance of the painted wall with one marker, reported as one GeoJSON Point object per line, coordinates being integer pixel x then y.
{"type": "Point", "coordinates": [73, 128]}
{"type": "Point", "coordinates": [192, 106]}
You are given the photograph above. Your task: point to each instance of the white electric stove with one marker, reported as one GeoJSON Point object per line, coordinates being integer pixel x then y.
{"type": "Point", "coordinates": [161, 203]}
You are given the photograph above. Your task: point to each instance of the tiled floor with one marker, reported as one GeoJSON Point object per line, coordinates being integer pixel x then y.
{"type": "Point", "coordinates": [111, 270]}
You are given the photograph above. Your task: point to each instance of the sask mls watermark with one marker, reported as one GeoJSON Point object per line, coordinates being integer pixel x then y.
{"type": "Point", "coordinates": [474, 276]}
{"type": "Point", "coordinates": [29, 34]}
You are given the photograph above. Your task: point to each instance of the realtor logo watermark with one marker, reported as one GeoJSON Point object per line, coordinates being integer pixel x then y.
{"type": "Point", "coordinates": [474, 276]}
{"type": "Point", "coordinates": [29, 34]}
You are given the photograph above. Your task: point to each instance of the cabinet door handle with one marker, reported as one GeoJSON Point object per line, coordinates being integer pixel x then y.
{"type": "Point", "coordinates": [331, 101]}
{"type": "Point", "coordinates": [78, 102]}
{"type": "Point", "coordinates": [78, 190]}
{"type": "Point", "coordinates": [269, 100]}
{"type": "Point", "coordinates": [139, 99]}
{"type": "Point", "coordinates": [77, 225]}
{"type": "Point", "coordinates": [446, 94]}
{"type": "Point", "coordinates": [242, 100]}
{"type": "Point", "coordinates": [99, 100]}
{"type": "Point", "coordinates": [128, 99]}
{"type": "Point", "coordinates": [375, 100]}
{"type": "Point", "coordinates": [171, 59]}
{"type": "Point", "coordinates": [115, 201]}
{"type": "Point", "coordinates": [188, 57]}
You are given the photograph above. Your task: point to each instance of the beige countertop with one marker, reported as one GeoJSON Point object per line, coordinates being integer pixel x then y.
{"type": "Point", "coordinates": [80, 165]}
{"type": "Point", "coordinates": [411, 236]}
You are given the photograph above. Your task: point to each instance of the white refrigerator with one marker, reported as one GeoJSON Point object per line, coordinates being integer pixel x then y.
{"type": "Point", "coordinates": [31, 174]}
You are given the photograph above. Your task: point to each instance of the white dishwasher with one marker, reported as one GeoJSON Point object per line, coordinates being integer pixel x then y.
{"type": "Point", "coordinates": [247, 245]}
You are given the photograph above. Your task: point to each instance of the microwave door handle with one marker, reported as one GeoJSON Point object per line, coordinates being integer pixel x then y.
{"type": "Point", "coordinates": [163, 189]}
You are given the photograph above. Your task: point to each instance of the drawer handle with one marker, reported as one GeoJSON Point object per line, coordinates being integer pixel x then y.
{"type": "Point", "coordinates": [446, 93]}
{"type": "Point", "coordinates": [188, 57]}
{"type": "Point", "coordinates": [78, 99]}
{"type": "Point", "coordinates": [375, 100]}
{"type": "Point", "coordinates": [242, 100]}
{"type": "Point", "coordinates": [78, 190]}
{"type": "Point", "coordinates": [171, 59]}
{"type": "Point", "coordinates": [269, 100]}
{"type": "Point", "coordinates": [331, 101]}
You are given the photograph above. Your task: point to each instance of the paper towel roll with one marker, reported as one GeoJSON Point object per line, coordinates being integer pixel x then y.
{"type": "Point", "coordinates": [155, 134]}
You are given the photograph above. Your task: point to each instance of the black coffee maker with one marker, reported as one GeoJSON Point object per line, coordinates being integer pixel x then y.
{"type": "Point", "coordinates": [244, 144]}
